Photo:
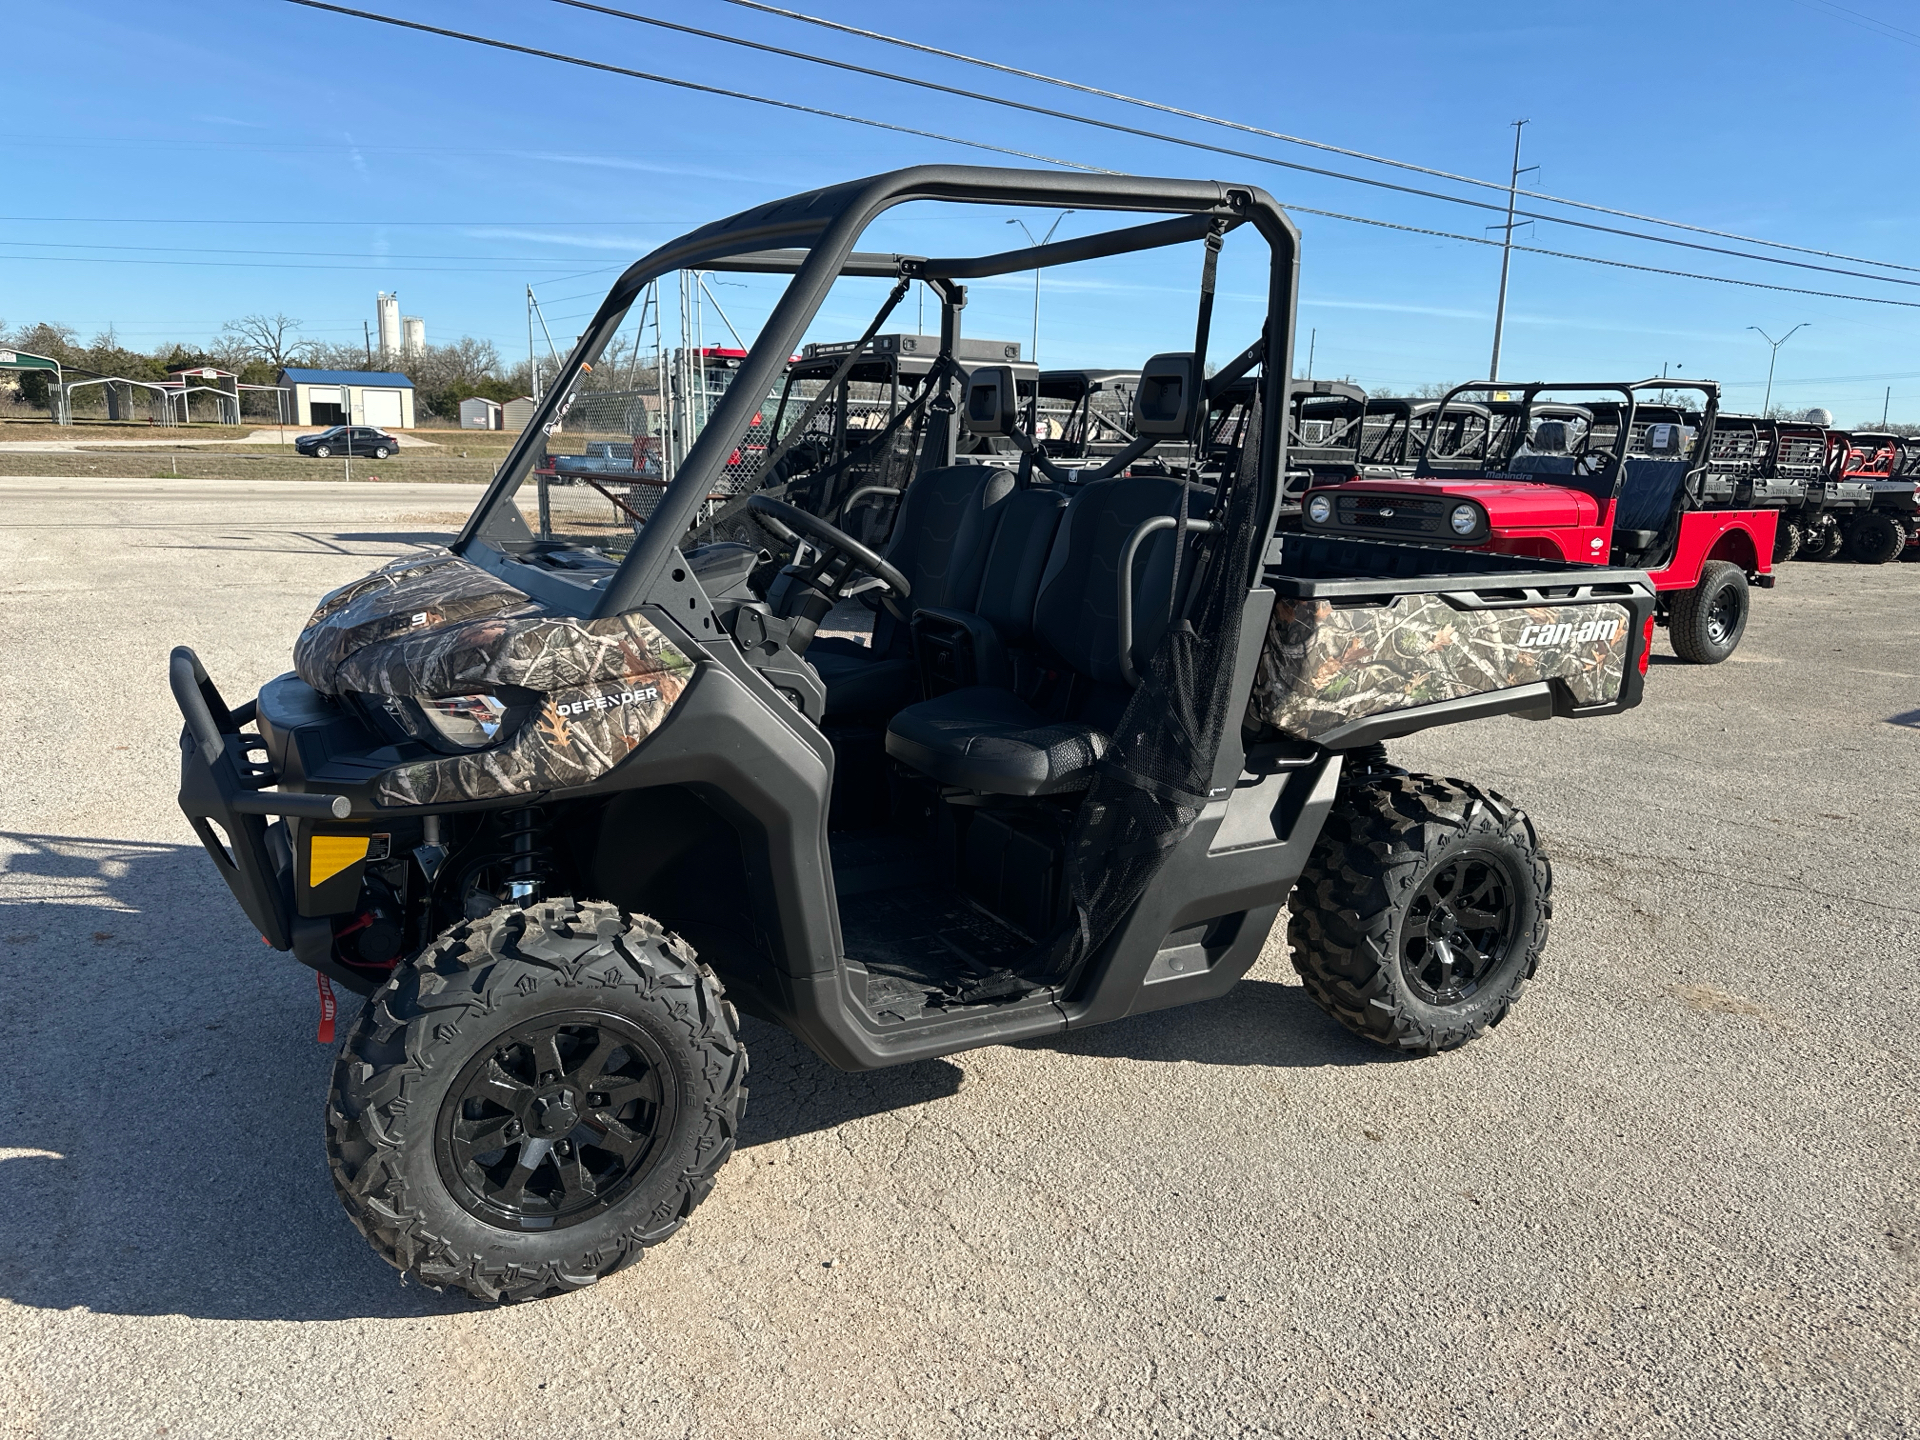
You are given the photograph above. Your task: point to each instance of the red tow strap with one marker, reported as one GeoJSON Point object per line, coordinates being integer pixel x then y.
{"type": "Point", "coordinates": [327, 1009]}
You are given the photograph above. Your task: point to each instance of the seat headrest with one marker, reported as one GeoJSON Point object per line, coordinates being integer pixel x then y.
{"type": "Point", "coordinates": [992, 400]}
{"type": "Point", "coordinates": [1167, 395]}
{"type": "Point", "coordinates": [1665, 439]}
{"type": "Point", "coordinates": [1550, 437]}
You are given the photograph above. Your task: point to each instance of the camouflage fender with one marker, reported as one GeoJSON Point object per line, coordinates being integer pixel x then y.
{"type": "Point", "coordinates": [1323, 667]}
{"type": "Point", "coordinates": [440, 626]}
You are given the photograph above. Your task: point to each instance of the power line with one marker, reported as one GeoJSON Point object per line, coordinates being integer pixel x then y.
{"type": "Point", "coordinates": [683, 84]}
{"type": "Point", "coordinates": [386, 224]}
{"type": "Point", "coordinates": [1596, 260]}
{"type": "Point", "coordinates": [859, 120]}
{"type": "Point", "coordinates": [299, 254]}
{"type": "Point", "coordinates": [1068, 115]}
{"type": "Point", "coordinates": [1044, 79]}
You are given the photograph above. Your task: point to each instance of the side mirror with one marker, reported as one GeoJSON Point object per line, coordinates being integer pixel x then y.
{"type": "Point", "coordinates": [992, 399]}
{"type": "Point", "coordinates": [1167, 397]}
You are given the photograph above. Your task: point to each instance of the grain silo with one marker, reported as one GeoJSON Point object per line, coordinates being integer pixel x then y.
{"type": "Point", "coordinates": [413, 333]}
{"type": "Point", "coordinates": [389, 311]}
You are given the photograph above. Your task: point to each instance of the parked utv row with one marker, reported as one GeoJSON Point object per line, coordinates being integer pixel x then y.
{"type": "Point", "coordinates": [558, 803]}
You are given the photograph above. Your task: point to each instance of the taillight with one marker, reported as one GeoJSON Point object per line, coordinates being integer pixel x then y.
{"type": "Point", "coordinates": [1646, 644]}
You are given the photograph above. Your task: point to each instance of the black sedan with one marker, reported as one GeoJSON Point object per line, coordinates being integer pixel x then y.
{"type": "Point", "coordinates": [348, 440]}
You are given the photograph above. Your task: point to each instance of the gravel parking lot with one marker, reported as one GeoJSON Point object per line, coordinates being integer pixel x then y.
{"type": "Point", "coordinates": [1675, 1194]}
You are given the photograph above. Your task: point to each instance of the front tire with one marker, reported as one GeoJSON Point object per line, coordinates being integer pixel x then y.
{"type": "Point", "coordinates": [1422, 911]}
{"type": "Point", "coordinates": [1709, 619]}
{"type": "Point", "coordinates": [535, 1100]}
{"type": "Point", "coordinates": [322, 452]}
{"type": "Point", "coordinates": [1787, 540]}
{"type": "Point", "coordinates": [1874, 539]}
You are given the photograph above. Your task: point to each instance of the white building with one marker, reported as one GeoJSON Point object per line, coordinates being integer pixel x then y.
{"type": "Point", "coordinates": [479, 414]}
{"type": "Point", "coordinates": [350, 397]}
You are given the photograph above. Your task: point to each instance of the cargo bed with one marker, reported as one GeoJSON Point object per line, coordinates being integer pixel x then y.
{"type": "Point", "coordinates": [1371, 640]}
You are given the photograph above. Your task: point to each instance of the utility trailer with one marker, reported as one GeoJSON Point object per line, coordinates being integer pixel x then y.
{"type": "Point", "coordinates": [1626, 485]}
{"type": "Point", "coordinates": [556, 808]}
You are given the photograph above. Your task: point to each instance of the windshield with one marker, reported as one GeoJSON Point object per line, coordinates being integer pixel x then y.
{"type": "Point", "coordinates": [640, 441]}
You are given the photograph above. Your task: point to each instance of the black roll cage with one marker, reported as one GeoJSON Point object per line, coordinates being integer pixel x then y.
{"type": "Point", "coordinates": [1604, 484]}
{"type": "Point", "coordinates": [812, 237]}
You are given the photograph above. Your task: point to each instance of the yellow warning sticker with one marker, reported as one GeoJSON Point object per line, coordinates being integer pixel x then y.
{"type": "Point", "coordinates": [331, 854]}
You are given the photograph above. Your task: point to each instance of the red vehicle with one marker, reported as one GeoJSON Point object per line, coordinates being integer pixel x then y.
{"type": "Point", "coordinates": [1878, 531]}
{"type": "Point", "coordinates": [1619, 481]}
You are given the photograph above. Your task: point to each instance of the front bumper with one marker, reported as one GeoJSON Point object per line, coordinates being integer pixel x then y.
{"type": "Point", "coordinates": [224, 797]}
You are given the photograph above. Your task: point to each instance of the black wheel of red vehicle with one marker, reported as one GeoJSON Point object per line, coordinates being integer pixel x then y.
{"type": "Point", "coordinates": [1823, 542]}
{"type": "Point", "coordinates": [380, 452]}
{"type": "Point", "coordinates": [1787, 540]}
{"type": "Point", "coordinates": [1912, 550]}
{"type": "Point", "coordinates": [535, 1100]}
{"type": "Point", "coordinates": [1709, 619]}
{"type": "Point", "coordinates": [1422, 911]}
{"type": "Point", "coordinates": [1874, 539]}
{"type": "Point", "coordinates": [322, 452]}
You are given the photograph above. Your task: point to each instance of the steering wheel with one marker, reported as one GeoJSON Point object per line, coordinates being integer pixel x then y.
{"type": "Point", "coordinates": [791, 523]}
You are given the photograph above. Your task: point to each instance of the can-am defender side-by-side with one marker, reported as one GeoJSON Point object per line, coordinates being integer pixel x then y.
{"type": "Point", "coordinates": [1622, 481]}
{"type": "Point", "coordinates": [557, 808]}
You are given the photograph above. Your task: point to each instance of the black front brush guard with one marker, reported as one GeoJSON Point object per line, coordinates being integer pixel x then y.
{"type": "Point", "coordinates": [223, 794]}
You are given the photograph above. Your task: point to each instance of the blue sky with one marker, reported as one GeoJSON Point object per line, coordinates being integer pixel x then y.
{"type": "Point", "coordinates": [174, 168]}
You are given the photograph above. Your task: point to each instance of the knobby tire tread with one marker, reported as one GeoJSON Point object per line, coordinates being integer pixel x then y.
{"type": "Point", "coordinates": [583, 950]}
{"type": "Point", "coordinates": [1365, 869]}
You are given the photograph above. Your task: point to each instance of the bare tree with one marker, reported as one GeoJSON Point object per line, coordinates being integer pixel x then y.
{"type": "Point", "coordinates": [269, 338]}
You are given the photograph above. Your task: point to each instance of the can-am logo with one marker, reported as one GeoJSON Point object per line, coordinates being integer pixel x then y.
{"type": "Point", "coordinates": [1566, 632]}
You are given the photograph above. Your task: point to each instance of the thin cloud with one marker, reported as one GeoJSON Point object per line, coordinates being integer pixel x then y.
{"type": "Point", "coordinates": [612, 162]}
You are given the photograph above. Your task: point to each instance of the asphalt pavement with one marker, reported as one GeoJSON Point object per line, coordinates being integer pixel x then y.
{"type": "Point", "coordinates": [1675, 1194]}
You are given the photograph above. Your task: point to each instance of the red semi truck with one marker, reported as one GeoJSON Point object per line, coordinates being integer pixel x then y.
{"type": "Point", "coordinates": [1620, 478]}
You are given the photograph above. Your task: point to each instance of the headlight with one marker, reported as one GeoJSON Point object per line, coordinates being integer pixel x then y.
{"type": "Point", "coordinates": [1319, 509]}
{"type": "Point", "coordinates": [469, 721]}
{"type": "Point", "coordinates": [1465, 519]}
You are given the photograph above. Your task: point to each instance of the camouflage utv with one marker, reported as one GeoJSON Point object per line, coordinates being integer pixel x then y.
{"type": "Point", "coordinates": [557, 807]}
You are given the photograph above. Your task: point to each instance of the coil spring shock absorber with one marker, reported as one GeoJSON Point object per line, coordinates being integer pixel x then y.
{"type": "Point", "coordinates": [526, 868]}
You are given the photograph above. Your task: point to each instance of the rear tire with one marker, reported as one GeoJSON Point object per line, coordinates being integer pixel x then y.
{"type": "Point", "coordinates": [535, 1100]}
{"type": "Point", "coordinates": [1874, 539]}
{"type": "Point", "coordinates": [1422, 911]}
{"type": "Point", "coordinates": [1787, 540]}
{"type": "Point", "coordinates": [1823, 542]}
{"type": "Point", "coordinates": [380, 452]}
{"type": "Point", "coordinates": [1708, 620]}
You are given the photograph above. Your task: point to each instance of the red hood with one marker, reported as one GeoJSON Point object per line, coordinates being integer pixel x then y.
{"type": "Point", "coordinates": [1509, 505]}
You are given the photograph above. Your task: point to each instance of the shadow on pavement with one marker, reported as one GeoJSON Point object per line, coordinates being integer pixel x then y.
{"type": "Point", "coordinates": [160, 1133]}
{"type": "Point", "coordinates": [1258, 1022]}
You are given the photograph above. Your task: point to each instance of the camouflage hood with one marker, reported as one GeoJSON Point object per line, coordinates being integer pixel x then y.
{"type": "Point", "coordinates": [433, 626]}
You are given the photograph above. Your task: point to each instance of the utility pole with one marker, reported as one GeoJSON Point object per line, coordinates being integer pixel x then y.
{"type": "Point", "coordinates": [1885, 405]}
{"type": "Point", "coordinates": [533, 363]}
{"type": "Point", "coordinates": [1313, 338]}
{"type": "Point", "coordinates": [1767, 404]}
{"type": "Point", "coordinates": [366, 337]}
{"type": "Point", "coordinates": [1034, 354]}
{"type": "Point", "coordinates": [1506, 251]}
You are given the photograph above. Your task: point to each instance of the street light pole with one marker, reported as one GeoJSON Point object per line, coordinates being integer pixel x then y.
{"type": "Point", "coordinates": [1034, 354]}
{"type": "Point", "coordinates": [1767, 404]}
{"type": "Point", "coordinates": [1506, 253]}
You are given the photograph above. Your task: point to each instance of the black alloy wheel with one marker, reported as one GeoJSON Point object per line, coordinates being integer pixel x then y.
{"type": "Point", "coordinates": [534, 1099]}
{"type": "Point", "coordinates": [1458, 928]}
{"type": "Point", "coordinates": [556, 1121]}
{"type": "Point", "coordinates": [1422, 911]}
